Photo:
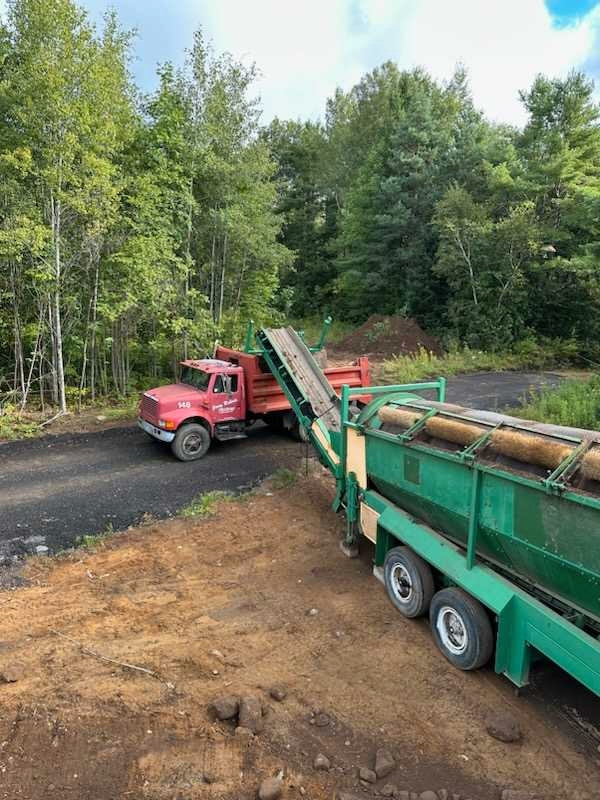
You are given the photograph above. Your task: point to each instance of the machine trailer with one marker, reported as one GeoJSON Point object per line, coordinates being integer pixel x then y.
{"type": "Point", "coordinates": [487, 523]}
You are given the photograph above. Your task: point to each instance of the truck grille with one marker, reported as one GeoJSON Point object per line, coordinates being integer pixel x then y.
{"type": "Point", "coordinates": [149, 409]}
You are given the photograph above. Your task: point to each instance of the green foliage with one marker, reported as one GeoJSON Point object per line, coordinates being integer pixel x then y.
{"type": "Point", "coordinates": [484, 233]}
{"type": "Point", "coordinates": [134, 230]}
{"type": "Point", "coordinates": [283, 478]}
{"type": "Point", "coordinates": [575, 403]}
{"type": "Point", "coordinates": [93, 541]}
{"type": "Point", "coordinates": [14, 426]}
{"type": "Point", "coordinates": [526, 354]}
{"type": "Point", "coordinates": [312, 327]}
{"type": "Point", "coordinates": [204, 505]}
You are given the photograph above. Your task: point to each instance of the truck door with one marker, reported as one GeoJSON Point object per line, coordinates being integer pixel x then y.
{"type": "Point", "coordinates": [226, 397]}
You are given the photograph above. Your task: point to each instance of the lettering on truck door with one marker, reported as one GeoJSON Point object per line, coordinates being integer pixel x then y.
{"type": "Point", "coordinates": [226, 398]}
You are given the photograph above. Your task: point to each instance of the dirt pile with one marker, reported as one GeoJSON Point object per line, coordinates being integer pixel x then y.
{"type": "Point", "coordinates": [385, 337]}
{"type": "Point", "coordinates": [139, 662]}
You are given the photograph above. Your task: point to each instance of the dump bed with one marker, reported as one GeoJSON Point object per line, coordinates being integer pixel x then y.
{"type": "Point", "coordinates": [263, 393]}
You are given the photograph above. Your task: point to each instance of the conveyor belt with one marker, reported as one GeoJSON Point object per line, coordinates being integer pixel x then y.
{"type": "Point", "coordinates": [295, 362]}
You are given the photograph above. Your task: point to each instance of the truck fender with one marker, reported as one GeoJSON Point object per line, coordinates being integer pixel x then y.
{"type": "Point", "coordinates": [198, 421]}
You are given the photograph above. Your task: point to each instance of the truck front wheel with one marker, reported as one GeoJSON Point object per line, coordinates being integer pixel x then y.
{"type": "Point", "coordinates": [191, 442]}
{"type": "Point", "coordinates": [461, 628]}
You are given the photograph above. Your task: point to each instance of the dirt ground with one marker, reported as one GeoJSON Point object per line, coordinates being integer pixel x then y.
{"type": "Point", "coordinates": [256, 595]}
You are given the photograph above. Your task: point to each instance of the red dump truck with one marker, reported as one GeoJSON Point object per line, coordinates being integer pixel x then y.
{"type": "Point", "coordinates": [220, 397]}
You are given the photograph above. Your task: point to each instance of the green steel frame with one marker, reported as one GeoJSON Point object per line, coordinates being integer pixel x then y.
{"type": "Point", "coordinates": [526, 626]}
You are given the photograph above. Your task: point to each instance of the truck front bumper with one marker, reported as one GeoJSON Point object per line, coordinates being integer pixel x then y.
{"type": "Point", "coordinates": [158, 433]}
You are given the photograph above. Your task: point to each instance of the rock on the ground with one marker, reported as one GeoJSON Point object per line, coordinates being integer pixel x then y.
{"type": "Point", "coordinates": [343, 794]}
{"type": "Point", "coordinates": [321, 762]}
{"type": "Point", "coordinates": [321, 719]}
{"type": "Point", "coordinates": [503, 726]}
{"type": "Point", "coordinates": [367, 775]}
{"type": "Point", "coordinates": [226, 706]}
{"type": "Point", "coordinates": [244, 733]}
{"type": "Point", "coordinates": [403, 795]}
{"type": "Point", "coordinates": [278, 693]}
{"type": "Point", "coordinates": [270, 789]}
{"type": "Point", "coordinates": [389, 790]}
{"type": "Point", "coordinates": [384, 763]}
{"type": "Point", "coordinates": [10, 673]}
{"type": "Point", "coordinates": [428, 795]}
{"type": "Point", "coordinates": [517, 794]}
{"type": "Point", "coordinates": [250, 715]}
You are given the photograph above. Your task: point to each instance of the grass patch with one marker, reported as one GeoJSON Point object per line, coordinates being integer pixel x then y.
{"type": "Point", "coordinates": [203, 505]}
{"type": "Point", "coordinates": [574, 403]}
{"type": "Point", "coordinates": [283, 478]}
{"type": "Point", "coordinates": [123, 409]}
{"type": "Point", "coordinates": [527, 354]}
{"type": "Point", "coordinates": [91, 541]}
{"type": "Point", "coordinates": [14, 425]}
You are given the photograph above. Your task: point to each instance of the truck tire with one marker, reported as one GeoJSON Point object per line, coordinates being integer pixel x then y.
{"type": "Point", "coordinates": [275, 421]}
{"type": "Point", "coordinates": [191, 442]}
{"type": "Point", "coordinates": [408, 581]}
{"type": "Point", "coordinates": [461, 628]}
{"type": "Point", "coordinates": [299, 432]}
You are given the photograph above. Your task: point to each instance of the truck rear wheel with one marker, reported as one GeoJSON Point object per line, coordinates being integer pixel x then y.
{"type": "Point", "coordinates": [191, 442]}
{"type": "Point", "coordinates": [408, 581]}
{"type": "Point", "coordinates": [299, 432]}
{"type": "Point", "coordinates": [461, 628]}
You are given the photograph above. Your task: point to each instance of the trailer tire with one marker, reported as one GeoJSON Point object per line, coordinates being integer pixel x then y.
{"type": "Point", "coordinates": [408, 581]}
{"type": "Point", "coordinates": [191, 442]}
{"type": "Point", "coordinates": [461, 628]}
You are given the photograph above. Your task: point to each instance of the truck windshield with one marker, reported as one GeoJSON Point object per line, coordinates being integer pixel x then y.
{"type": "Point", "coordinates": [195, 377]}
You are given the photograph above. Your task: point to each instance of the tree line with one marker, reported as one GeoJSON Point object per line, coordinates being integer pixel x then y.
{"type": "Point", "coordinates": [408, 201]}
{"type": "Point", "coordinates": [135, 229]}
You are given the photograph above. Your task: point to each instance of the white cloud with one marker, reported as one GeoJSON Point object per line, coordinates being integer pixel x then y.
{"type": "Point", "coordinates": [306, 49]}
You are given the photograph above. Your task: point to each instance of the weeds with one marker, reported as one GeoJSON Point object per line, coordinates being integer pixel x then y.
{"type": "Point", "coordinates": [14, 425]}
{"type": "Point", "coordinates": [574, 403]}
{"type": "Point", "coordinates": [528, 354]}
{"type": "Point", "coordinates": [90, 541]}
{"type": "Point", "coordinates": [126, 408]}
{"type": "Point", "coordinates": [283, 478]}
{"type": "Point", "coordinates": [203, 505]}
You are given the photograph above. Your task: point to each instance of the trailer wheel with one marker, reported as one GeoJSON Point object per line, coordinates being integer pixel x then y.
{"type": "Point", "coordinates": [408, 581]}
{"type": "Point", "coordinates": [191, 442]}
{"type": "Point", "coordinates": [461, 628]}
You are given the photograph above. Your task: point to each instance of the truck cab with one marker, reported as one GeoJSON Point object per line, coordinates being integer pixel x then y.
{"type": "Point", "coordinates": [209, 401]}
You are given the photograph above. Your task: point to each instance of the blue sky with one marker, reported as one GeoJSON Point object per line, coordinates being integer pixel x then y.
{"type": "Point", "coordinates": [304, 49]}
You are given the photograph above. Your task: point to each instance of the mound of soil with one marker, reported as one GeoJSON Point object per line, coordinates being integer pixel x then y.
{"type": "Point", "coordinates": [385, 337]}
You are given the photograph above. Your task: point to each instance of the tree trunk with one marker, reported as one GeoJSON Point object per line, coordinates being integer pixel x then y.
{"type": "Point", "coordinates": [55, 308]}
{"type": "Point", "coordinates": [212, 272]}
{"type": "Point", "coordinates": [93, 335]}
{"type": "Point", "coordinates": [223, 267]}
{"type": "Point", "coordinates": [19, 376]}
